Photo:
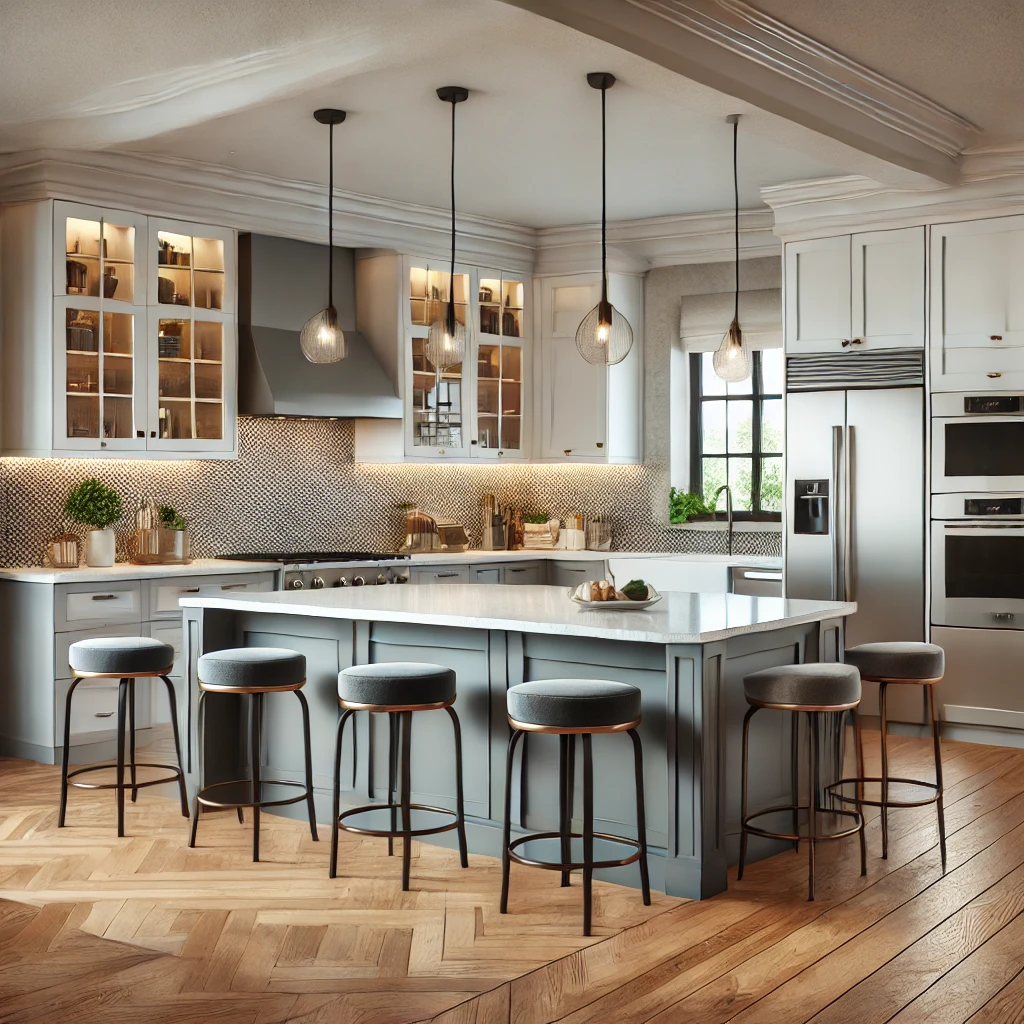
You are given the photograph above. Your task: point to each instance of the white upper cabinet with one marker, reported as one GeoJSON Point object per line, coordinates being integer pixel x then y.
{"type": "Point", "coordinates": [977, 318]}
{"type": "Point", "coordinates": [856, 292]}
{"type": "Point", "coordinates": [587, 412]}
{"type": "Point", "coordinates": [116, 343]}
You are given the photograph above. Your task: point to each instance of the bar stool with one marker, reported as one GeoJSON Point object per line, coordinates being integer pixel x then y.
{"type": "Point", "coordinates": [813, 689]}
{"type": "Point", "coordinates": [908, 663]}
{"type": "Point", "coordinates": [398, 689]}
{"type": "Point", "coordinates": [255, 671]}
{"type": "Point", "coordinates": [126, 658]}
{"type": "Point", "coordinates": [569, 708]}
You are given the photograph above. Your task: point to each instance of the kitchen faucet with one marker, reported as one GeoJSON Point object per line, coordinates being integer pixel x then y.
{"type": "Point", "coordinates": [728, 512]}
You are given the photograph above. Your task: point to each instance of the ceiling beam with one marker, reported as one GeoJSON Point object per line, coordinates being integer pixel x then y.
{"type": "Point", "coordinates": [732, 47]}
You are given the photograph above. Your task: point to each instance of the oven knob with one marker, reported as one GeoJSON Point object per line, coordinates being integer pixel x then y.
{"type": "Point", "coordinates": [357, 581]}
{"type": "Point", "coordinates": [381, 579]}
{"type": "Point", "coordinates": [341, 581]}
{"type": "Point", "coordinates": [295, 584]}
{"type": "Point", "coordinates": [317, 583]}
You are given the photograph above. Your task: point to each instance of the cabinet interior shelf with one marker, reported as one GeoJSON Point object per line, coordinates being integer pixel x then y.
{"type": "Point", "coordinates": [95, 256]}
{"type": "Point", "coordinates": [185, 359]}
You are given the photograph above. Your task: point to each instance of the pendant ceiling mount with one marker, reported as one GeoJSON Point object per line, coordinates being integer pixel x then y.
{"type": "Point", "coordinates": [321, 339]}
{"type": "Point", "coordinates": [732, 361]}
{"type": "Point", "coordinates": [604, 336]}
{"type": "Point", "coordinates": [448, 340]}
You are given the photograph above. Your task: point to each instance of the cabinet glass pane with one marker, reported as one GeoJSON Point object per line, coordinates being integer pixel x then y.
{"type": "Point", "coordinates": [83, 416]}
{"type": "Point", "coordinates": [174, 268]}
{"type": "Point", "coordinates": [428, 295]}
{"type": "Point", "coordinates": [512, 309]}
{"type": "Point", "coordinates": [174, 418]}
{"type": "Point", "coordinates": [436, 401]}
{"type": "Point", "coordinates": [83, 256]}
{"type": "Point", "coordinates": [118, 261]}
{"type": "Point", "coordinates": [511, 396]}
{"type": "Point", "coordinates": [490, 305]}
{"type": "Point", "coordinates": [118, 417]}
{"type": "Point", "coordinates": [488, 368]}
{"type": "Point", "coordinates": [209, 420]}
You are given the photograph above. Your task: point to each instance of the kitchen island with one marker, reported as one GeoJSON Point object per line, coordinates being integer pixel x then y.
{"type": "Point", "coordinates": [688, 655]}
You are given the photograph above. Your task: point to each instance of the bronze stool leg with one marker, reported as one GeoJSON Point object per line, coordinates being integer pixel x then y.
{"type": "Point", "coordinates": [256, 756]}
{"type": "Point", "coordinates": [460, 803]}
{"type": "Point", "coordinates": [122, 703]}
{"type": "Point", "coordinates": [405, 796]}
{"type": "Point", "coordinates": [506, 834]}
{"type": "Point", "coordinates": [131, 738]}
{"type": "Point", "coordinates": [200, 721]}
{"type": "Point", "coordinates": [564, 804]}
{"type": "Point", "coordinates": [938, 773]}
{"type": "Point", "coordinates": [641, 815]}
{"type": "Point", "coordinates": [743, 790]}
{"type": "Point", "coordinates": [310, 805]}
{"type": "Point", "coordinates": [812, 802]}
{"type": "Point", "coordinates": [336, 801]}
{"type": "Point", "coordinates": [392, 775]}
{"type": "Point", "coordinates": [884, 724]}
{"type": "Point", "coordinates": [65, 758]}
{"type": "Point", "coordinates": [588, 830]}
{"type": "Point", "coordinates": [794, 776]}
{"type": "Point", "coordinates": [172, 700]}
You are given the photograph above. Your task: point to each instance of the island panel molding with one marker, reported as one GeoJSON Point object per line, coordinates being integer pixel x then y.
{"type": "Point", "coordinates": [301, 490]}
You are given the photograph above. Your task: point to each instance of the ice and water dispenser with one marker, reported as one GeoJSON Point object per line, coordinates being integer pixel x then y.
{"type": "Point", "coordinates": [810, 509]}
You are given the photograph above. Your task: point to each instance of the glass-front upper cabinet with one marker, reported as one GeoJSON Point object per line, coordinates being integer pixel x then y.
{"type": "Point", "coordinates": [191, 265]}
{"type": "Point", "coordinates": [99, 254]}
{"type": "Point", "coordinates": [100, 380]}
{"type": "Point", "coordinates": [437, 415]}
{"type": "Point", "coordinates": [499, 367]}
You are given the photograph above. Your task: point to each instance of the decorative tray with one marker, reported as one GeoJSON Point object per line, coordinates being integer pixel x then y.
{"type": "Point", "coordinates": [617, 606]}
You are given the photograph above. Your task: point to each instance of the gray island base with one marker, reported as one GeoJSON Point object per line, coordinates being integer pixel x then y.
{"type": "Point", "coordinates": [688, 656]}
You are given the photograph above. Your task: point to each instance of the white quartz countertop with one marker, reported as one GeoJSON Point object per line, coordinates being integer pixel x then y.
{"type": "Point", "coordinates": [130, 571]}
{"type": "Point", "coordinates": [678, 619]}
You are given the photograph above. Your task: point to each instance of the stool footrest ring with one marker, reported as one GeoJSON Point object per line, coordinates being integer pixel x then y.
{"type": "Point", "coordinates": [792, 837]}
{"type": "Point", "coordinates": [634, 844]}
{"type": "Point", "coordinates": [397, 833]}
{"type": "Point", "coordinates": [127, 784]}
{"type": "Point", "coordinates": [848, 798]}
{"type": "Point", "coordinates": [205, 801]}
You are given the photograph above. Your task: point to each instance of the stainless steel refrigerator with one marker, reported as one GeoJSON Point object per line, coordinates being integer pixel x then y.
{"type": "Point", "coordinates": [855, 492]}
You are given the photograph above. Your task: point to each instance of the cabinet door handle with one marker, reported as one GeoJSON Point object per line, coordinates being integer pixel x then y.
{"type": "Point", "coordinates": [568, 451]}
{"type": "Point", "coordinates": [190, 590]}
{"type": "Point", "coordinates": [600, 444]}
{"type": "Point", "coordinates": [104, 597]}
{"type": "Point", "coordinates": [993, 375]}
{"type": "Point", "coordinates": [995, 337]}
{"type": "Point", "coordinates": [846, 342]}
{"type": "Point", "coordinates": [103, 714]}
{"type": "Point", "coordinates": [569, 568]}
{"type": "Point", "coordinates": [445, 575]}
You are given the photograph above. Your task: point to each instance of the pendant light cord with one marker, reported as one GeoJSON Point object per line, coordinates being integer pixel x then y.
{"type": "Point", "coordinates": [736, 209]}
{"type": "Point", "coordinates": [330, 222]}
{"type": "Point", "coordinates": [451, 275]}
{"type": "Point", "coordinates": [604, 201]}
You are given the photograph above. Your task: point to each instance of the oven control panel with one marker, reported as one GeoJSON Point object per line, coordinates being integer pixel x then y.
{"type": "Point", "coordinates": [362, 576]}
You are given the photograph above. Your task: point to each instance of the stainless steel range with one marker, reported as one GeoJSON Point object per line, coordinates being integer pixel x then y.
{"type": "Point", "coordinates": [309, 570]}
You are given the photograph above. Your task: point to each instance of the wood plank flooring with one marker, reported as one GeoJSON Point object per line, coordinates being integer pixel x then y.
{"type": "Point", "coordinates": [93, 928]}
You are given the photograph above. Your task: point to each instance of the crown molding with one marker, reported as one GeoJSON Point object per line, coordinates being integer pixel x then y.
{"type": "Point", "coordinates": [985, 162]}
{"type": "Point", "coordinates": [636, 246]}
{"type": "Point", "coordinates": [246, 201]}
{"type": "Point", "coordinates": [813, 209]}
{"type": "Point", "coordinates": [754, 35]}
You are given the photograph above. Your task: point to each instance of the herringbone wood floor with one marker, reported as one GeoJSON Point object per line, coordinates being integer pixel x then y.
{"type": "Point", "coordinates": [141, 929]}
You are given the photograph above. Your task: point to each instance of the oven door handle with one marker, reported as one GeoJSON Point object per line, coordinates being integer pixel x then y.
{"type": "Point", "coordinates": [965, 529]}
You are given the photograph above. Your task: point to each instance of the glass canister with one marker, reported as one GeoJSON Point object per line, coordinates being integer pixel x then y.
{"type": "Point", "coordinates": [599, 533]}
{"type": "Point", "coordinates": [161, 536]}
{"type": "Point", "coordinates": [62, 551]}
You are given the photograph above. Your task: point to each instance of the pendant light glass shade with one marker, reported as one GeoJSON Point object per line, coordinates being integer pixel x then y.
{"type": "Point", "coordinates": [604, 336]}
{"type": "Point", "coordinates": [321, 339]}
{"type": "Point", "coordinates": [448, 340]}
{"type": "Point", "coordinates": [732, 361]}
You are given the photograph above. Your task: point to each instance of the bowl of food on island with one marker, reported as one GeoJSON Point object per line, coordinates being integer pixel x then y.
{"type": "Point", "coordinates": [603, 595]}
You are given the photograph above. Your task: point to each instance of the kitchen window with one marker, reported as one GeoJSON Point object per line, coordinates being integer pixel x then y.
{"type": "Point", "coordinates": [736, 433]}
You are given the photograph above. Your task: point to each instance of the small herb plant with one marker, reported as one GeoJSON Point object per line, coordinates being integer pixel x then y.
{"type": "Point", "coordinates": [536, 517]}
{"type": "Point", "coordinates": [170, 518]}
{"type": "Point", "coordinates": [93, 504]}
{"type": "Point", "coordinates": [685, 505]}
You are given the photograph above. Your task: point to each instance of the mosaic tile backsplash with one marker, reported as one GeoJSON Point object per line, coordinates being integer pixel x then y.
{"type": "Point", "coordinates": [295, 487]}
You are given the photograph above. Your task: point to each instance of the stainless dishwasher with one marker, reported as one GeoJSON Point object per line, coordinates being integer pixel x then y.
{"type": "Point", "coordinates": [755, 581]}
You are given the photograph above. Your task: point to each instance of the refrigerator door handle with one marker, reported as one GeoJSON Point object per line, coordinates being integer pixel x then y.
{"type": "Point", "coordinates": [849, 580]}
{"type": "Point", "coordinates": [837, 441]}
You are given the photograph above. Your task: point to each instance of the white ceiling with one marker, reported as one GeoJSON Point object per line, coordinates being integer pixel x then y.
{"type": "Point", "coordinates": [235, 82]}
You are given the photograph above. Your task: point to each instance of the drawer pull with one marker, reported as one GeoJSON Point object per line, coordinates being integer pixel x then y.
{"type": "Point", "coordinates": [232, 586]}
{"type": "Point", "coordinates": [190, 590]}
{"type": "Point", "coordinates": [995, 337]}
{"type": "Point", "coordinates": [993, 375]}
{"type": "Point", "coordinates": [103, 714]}
{"type": "Point", "coordinates": [511, 569]}
{"type": "Point", "coordinates": [445, 575]}
{"type": "Point", "coordinates": [104, 597]}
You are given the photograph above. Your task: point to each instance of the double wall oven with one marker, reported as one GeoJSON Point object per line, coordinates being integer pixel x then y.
{"type": "Point", "coordinates": [977, 443]}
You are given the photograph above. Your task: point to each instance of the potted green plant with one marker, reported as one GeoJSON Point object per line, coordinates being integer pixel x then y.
{"type": "Point", "coordinates": [687, 507]}
{"type": "Point", "coordinates": [94, 505]}
{"type": "Point", "coordinates": [171, 519]}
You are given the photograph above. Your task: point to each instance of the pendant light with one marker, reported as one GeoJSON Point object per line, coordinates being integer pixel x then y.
{"type": "Point", "coordinates": [448, 340]}
{"type": "Point", "coordinates": [321, 339]}
{"type": "Point", "coordinates": [732, 361]}
{"type": "Point", "coordinates": [604, 336]}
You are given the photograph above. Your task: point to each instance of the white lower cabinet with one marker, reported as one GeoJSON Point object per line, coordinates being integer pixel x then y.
{"type": "Point", "coordinates": [439, 574]}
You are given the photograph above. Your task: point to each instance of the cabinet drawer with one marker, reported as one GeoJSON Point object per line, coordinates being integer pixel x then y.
{"type": "Point", "coordinates": [440, 574]}
{"type": "Point", "coordinates": [486, 573]}
{"type": "Point", "coordinates": [81, 605]}
{"type": "Point", "coordinates": [165, 594]}
{"type": "Point", "coordinates": [572, 574]}
{"type": "Point", "coordinates": [524, 575]}
{"type": "Point", "coordinates": [93, 709]}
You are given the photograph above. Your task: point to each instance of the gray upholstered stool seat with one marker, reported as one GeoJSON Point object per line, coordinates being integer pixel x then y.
{"type": "Point", "coordinates": [397, 684]}
{"type": "Point", "coordinates": [121, 656]}
{"type": "Point", "coordinates": [810, 685]}
{"type": "Point", "coordinates": [898, 660]}
{"type": "Point", "coordinates": [580, 704]}
{"type": "Point", "coordinates": [252, 668]}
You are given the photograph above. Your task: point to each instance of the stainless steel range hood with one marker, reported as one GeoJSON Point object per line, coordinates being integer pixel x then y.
{"type": "Point", "coordinates": [282, 283]}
